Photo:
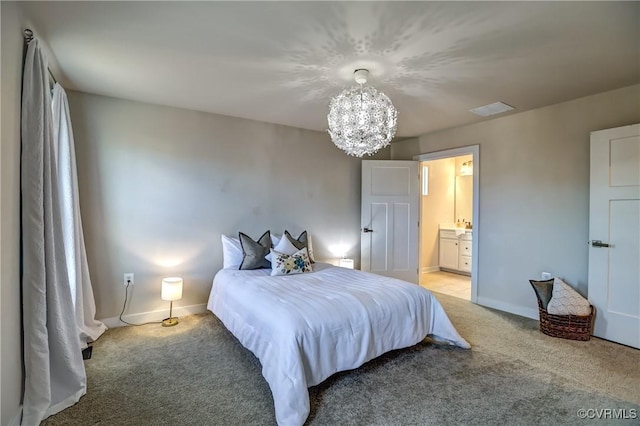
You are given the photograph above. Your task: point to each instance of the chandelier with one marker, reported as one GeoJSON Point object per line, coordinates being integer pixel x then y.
{"type": "Point", "coordinates": [361, 119]}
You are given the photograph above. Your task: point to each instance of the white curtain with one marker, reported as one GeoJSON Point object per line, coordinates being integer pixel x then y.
{"type": "Point", "coordinates": [89, 329]}
{"type": "Point", "coordinates": [55, 377]}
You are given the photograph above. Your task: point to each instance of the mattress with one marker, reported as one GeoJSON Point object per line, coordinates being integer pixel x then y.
{"type": "Point", "coordinates": [304, 328]}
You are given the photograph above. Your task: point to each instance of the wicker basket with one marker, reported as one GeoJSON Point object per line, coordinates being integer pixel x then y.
{"type": "Point", "coordinates": [573, 327]}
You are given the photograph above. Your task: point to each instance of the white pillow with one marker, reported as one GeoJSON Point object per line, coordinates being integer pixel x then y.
{"type": "Point", "coordinates": [283, 246]}
{"type": "Point", "coordinates": [275, 239]}
{"type": "Point", "coordinates": [566, 301]}
{"type": "Point", "coordinates": [231, 252]}
{"type": "Point", "coordinates": [296, 263]}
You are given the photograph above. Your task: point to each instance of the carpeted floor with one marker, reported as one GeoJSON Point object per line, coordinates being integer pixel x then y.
{"type": "Point", "coordinates": [198, 374]}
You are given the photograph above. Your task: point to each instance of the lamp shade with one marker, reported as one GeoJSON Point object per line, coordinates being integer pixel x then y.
{"type": "Point", "coordinates": [171, 288]}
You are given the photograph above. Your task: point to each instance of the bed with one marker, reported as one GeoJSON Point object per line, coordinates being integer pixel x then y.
{"type": "Point", "coordinates": [306, 327]}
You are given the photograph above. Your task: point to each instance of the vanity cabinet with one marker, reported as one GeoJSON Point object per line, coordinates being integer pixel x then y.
{"type": "Point", "coordinates": [455, 251]}
{"type": "Point", "coordinates": [449, 252]}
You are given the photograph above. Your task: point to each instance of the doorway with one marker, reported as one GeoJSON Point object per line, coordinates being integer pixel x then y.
{"type": "Point", "coordinates": [448, 232]}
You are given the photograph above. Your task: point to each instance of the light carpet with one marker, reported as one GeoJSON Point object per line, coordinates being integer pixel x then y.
{"type": "Point", "coordinates": [197, 373]}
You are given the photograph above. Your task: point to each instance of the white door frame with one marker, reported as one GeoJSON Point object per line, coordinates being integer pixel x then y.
{"type": "Point", "coordinates": [474, 151]}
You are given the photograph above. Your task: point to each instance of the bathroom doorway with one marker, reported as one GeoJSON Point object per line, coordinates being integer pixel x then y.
{"type": "Point", "coordinates": [448, 222]}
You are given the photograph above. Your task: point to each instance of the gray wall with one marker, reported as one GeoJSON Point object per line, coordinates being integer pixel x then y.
{"type": "Point", "coordinates": [534, 191]}
{"type": "Point", "coordinates": [11, 361]}
{"type": "Point", "coordinates": [159, 185]}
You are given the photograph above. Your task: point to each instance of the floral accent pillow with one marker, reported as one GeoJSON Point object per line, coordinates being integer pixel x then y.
{"type": "Point", "coordinates": [285, 264]}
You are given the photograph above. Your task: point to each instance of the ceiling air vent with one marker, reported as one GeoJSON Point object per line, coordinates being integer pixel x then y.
{"type": "Point", "coordinates": [492, 109]}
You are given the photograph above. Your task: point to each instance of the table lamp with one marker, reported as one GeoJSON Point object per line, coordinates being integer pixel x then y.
{"type": "Point", "coordinates": [171, 290]}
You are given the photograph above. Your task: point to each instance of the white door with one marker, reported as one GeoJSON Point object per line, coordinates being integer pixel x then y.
{"type": "Point", "coordinates": [389, 224]}
{"type": "Point", "coordinates": [614, 234]}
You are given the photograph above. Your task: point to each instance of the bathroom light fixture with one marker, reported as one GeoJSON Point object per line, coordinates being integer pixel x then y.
{"type": "Point", "coordinates": [361, 119]}
{"type": "Point", "coordinates": [171, 290]}
{"type": "Point", "coordinates": [466, 169]}
{"type": "Point", "coordinates": [425, 180]}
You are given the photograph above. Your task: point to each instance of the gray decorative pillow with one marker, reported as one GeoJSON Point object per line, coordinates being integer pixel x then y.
{"type": "Point", "coordinates": [300, 242]}
{"type": "Point", "coordinates": [254, 252]}
{"type": "Point", "coordinates": [544, 291]}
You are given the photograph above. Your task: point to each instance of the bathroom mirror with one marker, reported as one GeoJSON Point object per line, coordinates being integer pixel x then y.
{"type": "Point", "coordinates": [464, 198]}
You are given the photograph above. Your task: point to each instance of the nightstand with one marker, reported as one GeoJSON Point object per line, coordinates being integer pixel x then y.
{"type": "Point", "coordinates": [346, 263]}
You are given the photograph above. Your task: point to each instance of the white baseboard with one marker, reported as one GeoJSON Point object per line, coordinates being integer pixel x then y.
{"type": "Point", "coordinates": [456, 271]}
{"type": "Point", "coordinates": [159, 315]}
{"type": "Point", "coordinates": [506, 307]}
{"type": "Point", "coordinates": [428, 269]}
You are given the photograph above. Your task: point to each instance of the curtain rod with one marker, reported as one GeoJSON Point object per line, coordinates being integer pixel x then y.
{"type": "Point", "coordinates": [28, 36]}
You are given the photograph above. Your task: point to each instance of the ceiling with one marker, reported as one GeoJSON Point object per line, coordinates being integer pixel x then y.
{"type": "Point", "coordinates": [280, 62]}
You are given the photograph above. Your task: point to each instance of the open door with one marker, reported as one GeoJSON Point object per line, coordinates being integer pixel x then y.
{"type": "Point", "coordinates": [614, 233]}
{"type": "Point", "coordinates": [389, 222]}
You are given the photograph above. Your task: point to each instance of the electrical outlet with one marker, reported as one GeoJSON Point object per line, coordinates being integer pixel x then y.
{"type": "Point", "coordinates": [128, 278]}
{"type": "Point", "coordinates": [545, 276]}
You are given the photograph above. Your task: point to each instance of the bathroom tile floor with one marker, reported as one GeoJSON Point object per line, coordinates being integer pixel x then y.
{"type": "Point", "coordinates": [448, 283]}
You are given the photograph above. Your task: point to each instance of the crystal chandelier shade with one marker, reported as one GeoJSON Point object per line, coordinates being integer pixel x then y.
{"type": "Point", "coordinates": [361, 119]}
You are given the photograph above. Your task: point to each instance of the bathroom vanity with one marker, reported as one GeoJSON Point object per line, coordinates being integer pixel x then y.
{"type": "Point", "coordinates": [455, 250]}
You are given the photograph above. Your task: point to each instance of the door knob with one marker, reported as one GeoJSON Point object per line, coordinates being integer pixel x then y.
{"type": "Point", "coordinates": [598, 243]}
{"type": "Point", "coordinates": [367, 230]}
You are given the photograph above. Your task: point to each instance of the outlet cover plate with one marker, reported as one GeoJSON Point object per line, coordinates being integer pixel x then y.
{"type": "Point", "coordinates": [128, 278]}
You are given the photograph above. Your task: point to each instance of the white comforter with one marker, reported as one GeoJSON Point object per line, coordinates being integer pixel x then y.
{"type": "Point", "coordinates": [304, 328]}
